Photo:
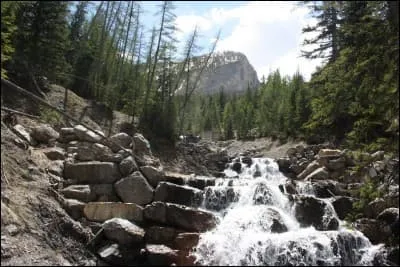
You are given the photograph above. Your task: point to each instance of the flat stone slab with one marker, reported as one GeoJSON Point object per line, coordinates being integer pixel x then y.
{"type": "Point", "coordinates": [184, 195]}
{"type": "Point", "coordinates": [102, 211]}
{"type": "Point", "coordinates": [92, 172]}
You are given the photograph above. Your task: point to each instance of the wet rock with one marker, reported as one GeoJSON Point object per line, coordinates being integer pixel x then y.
{"type": "Point", "coordinates": [85, 134]}
{"type": "Point", "coordinates": [186, 241]}
{"type": "Point", "coordinates": [325, 188]}
{"type": "Point", "coordinates": [160, 235]}
{"type": "Point", "coordinates": [343, 206]}
{"type": "Point", "coordinates": [278, 227]}
{"type": "Point", "coordinates": [247, 160]}
{"type": "Point", "coordinates": [310, 211]}
{"type": "Point", "coordinates": [115, 254]}
{"type": "Point", "coordinates": [262, 195]}
{"type": "Point", "coordinates": [200, 182]}
{"type": "Point", "coordinates": [102, 211]}
{"type": "Point", "coordinates": [79, 192]}
{"type": "Point", "coordinates": [161, 255]}
{"type": "Point", "coordinates": [74, 208]}
{"type": "Point", "coordinates": [393, 256]}
{"type": "Point", "coordinates": [54, 153]}
{"type": "Point", "coordinates": [309, 169]}
{"type": "Point", "coordinates": [134, 189]}
{"type": "Point", "coordinates": [154, 175]}
{"type": "Point", "coordinates": [372, 229]}
{"type": "Point", "coordinates": [284, 164]}
{"type": "Point", "coordinates": [92, 172]}
{"type": "Point", "coordinates": [44, 133]}
{"type": "Point", "coordinates": [142, 146]}
{"type": "Point", "coordinates": [289, 187]}
{"type": "Point", "coordinates": [127, 166]}
{"type": "Point", "coordinates": [123, 231]}
{"type": "Point", "coordinates": [318, 174]}
{"type": "Point", "coordinates": [184, 195]}
{"type": "Point", "coordinates": [237, 167]}
{"type": "Point", "coordinates": [217, 198]}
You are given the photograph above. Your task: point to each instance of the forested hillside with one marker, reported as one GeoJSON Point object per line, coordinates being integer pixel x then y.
{"type": "Point", "coordinates": [352, 99]}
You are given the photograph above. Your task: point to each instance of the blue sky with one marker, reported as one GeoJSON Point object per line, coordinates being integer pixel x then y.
{"type": "Point", "coordinates": [267, 32]}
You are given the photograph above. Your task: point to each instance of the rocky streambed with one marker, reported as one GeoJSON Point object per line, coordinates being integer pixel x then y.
{"type": "Point", "coordinates": [258, 211]}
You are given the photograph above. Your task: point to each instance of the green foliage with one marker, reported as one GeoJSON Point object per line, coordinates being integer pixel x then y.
{"type": "Point", "coordinates": [8, 28]}
{"type": "Point", "coordinates": [50, 116]}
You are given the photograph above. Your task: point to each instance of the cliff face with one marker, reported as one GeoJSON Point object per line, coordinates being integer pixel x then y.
{"type": "Point", "coordinates": [230, 71]}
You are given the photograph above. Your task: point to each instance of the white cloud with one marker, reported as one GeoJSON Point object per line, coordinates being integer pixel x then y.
{"type": "Point", "coordinates": [268, 33]}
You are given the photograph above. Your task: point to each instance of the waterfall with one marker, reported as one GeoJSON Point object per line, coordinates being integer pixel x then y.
{"type": "Point", "coordinates": [258, 226]}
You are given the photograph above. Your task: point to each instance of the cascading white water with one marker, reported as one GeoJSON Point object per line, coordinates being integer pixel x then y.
{"type": "Point", "coordinates": [257, 225]}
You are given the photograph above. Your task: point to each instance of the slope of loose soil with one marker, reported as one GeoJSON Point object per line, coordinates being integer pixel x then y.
{"type": "Point", "coordinates": [35, 230]}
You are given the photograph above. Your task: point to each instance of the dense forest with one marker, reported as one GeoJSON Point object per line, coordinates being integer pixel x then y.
{"type": "Point", "coordinates": [351, 100]}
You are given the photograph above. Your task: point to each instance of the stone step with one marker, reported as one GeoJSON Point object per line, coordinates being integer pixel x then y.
{"type": "Point", "coordinates": [92, 172]}
{"type": "Point", "coordinates": [102, 211]}
{"type": "Point", "coordinates": [180, 216]}
{"type": "Point", "coordinates": [184, 195]}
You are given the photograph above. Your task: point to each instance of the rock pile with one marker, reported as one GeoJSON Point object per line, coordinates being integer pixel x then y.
{"type": "Point", "coordinates": [139, 213]}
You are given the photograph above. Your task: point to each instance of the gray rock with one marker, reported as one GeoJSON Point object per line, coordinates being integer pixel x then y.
{"type": "Point", "coordinates": [120, 140]}
{"type": "Point", "coordinates": [186, 241]}
{"type": "Point", "coordinates": [343, 206]}
{"type": "Point", "coordinates": [237, 167]}
{"type": "Point", "coordinates": [291, 152]}
{"type": "Point", "coordinates": [79, 192]}
{"type": "Point", "coordinates": [54, 153]}
{"type": "Point", "coordinates": [336, 164]}
{"type": "Point", "coordinates": [201, 182]}
{"type": "Point", "coordinates": [389, 215]}
{"type": "Point", "coordinates": [85, 134]}
{"type": "Point", "coordinates": [155, 212]}
{"type": "Point", "coordinates": [375, 207]}
{"type": "Point", "coordinates": [142, 146]}
{"type": "Point", "coordinates": [104, 192]}
{"type": "Point", "coordinates": [134, 189]}
{"type": "Point", "coordinates": [309, 169]}
{"type": "Point", "coordinates": [300, 149]}
{"type": "Point", "coordinates": [67, 135]}
{"type": "Point", "coordinates": [123, 231]}
{"type": "Point", "coordinates": [329, 153]}
{"type": "Point", "coordinates": [180, 216]}
{"type": "Point", "coordinates": [378, 155]}
{"type": "Point", "coordinates": [74, 208]}
{"type": "Point", "coordinates": [92, 172]}
{"type": "Point", "coordinates": [21, 132]}
{"type": "Point", "coordinates": [372, 229]}
{"type": "Point", "coordinates": [44, 133]}
{"type": "Point", "coordinates": [161, 255]}
{"type": "Point", "coordinates": [154, 175]}
{"type": "Point", "coordinates": [160, 235]}
{"type": "Point", "coordinates": [262, 195]}
{"type": "Point", "coordinates": [219, 197]}
{"type": "Point", "coordinates": [310, 211]}
{"type": "Point", "coordinates": [184, 195]}
{"type": "Point", "coordinates": [102, 211]}
{"type": "Point", "coordinates": [318, 174]}
{"type": "Point", "coordinates": [56, 167]}
{"type": "Point", "coordinates": [284, 164]}
{"type": "Point", "coordinates": [127, 166]}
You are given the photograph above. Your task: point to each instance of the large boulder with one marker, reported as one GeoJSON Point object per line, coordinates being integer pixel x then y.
{"type": "Point", "coordinates": [329, 153]}
{"type": "Point", "coordinates": [336, 164]}
{"type": "Point", "coordinates": [44, 133]}
{"type": "Point", "coordinates": [92, 172]}
{"type": "Point", "coordinates": [134, 189]}
{"type": "Point", "coordinates": [180, 216]}
{"type": "Point", "coordinates": [160, 235]}
{"type": "Point", "coordinates": [142, 146]}
{"type": "Point", "coordinates": [161, 255]}
{"type": "Point", "coordinates": [310, 211]}
{"type": "Point", "coordinates": [309, 169]}
{"type": "Point", "coordinates": [127, 166]}
{"type": "Point", "coordinates": [102, 211]}
{"type": "Point", "coordinates": [178, 178]}
{"type": "Point", "coordinates": [67, 134]}
{"type": "Point", "coordinates": [85, 134]}
{"type": "Point", "coordinates": [326, 188]}
{"type": "Point", "coordinates": [120, 140]}
{"type": "Point", "coordinates": [284, 164]}
{"type": "Point", "coordinates": [123, 231]}
{"type": "Point", "coordinates": [154, 175]}
{"type": "Point", "coordinates": [21, 132]}
{"type": "Point", "coordinates": [104, 192]}
{"type": "Point", "coordinates": [343, 206]}
{"type": "Point", "coordinates": [372, 229]}
{"type": "Point", "coordinates": [186, 241]}
{"type": "Point", "coordinates": [263, 195]}
{"type": "Point", "coordinates": [375, 207]}
{"type": "Point", "coordinates": [184, 195]}
{"type": "Point", "coordinates": [388, 216]}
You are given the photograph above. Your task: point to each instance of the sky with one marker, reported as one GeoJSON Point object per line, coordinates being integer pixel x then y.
{"type": "Point", "coordinates": [267, 32]}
